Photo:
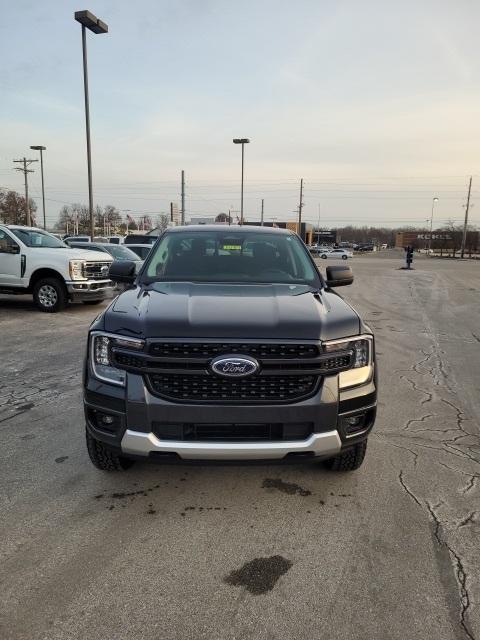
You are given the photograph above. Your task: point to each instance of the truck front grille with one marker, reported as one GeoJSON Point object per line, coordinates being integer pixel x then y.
{"type": "Point", "coordinates": [271, 432]}
{"type": "Point", "coordinates": [256, 389]}
{"type": "Point", "coordinates": [96, 270]}
{"type": "Point", "coordinates": [213, 349]}
{"type": "Point", "coordinates": [180, 371]}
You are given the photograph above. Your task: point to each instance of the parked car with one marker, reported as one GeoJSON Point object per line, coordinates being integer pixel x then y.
{"type": "Point", "coordinates": [229, 345]}
{"type": "Point", "coordinates": [69, 239]}
{"type": "Point", "coordinates": [118, 252]}
{"type": "Point", "coordinates": [142, 250]}
{"type": "Point", "coordinates": [315, 249]}
{"type": "Point", "coordinates": [33, 261]}
{"type": "Point", "coordinates": [336, 253]}
{"type": "Point", "coordinates": [136, 238]}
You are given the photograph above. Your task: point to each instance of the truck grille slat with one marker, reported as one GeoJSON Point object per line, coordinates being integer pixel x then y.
{"type": "Point", "coordinates": [213, 349]}
{"type": "Point", "coordinates": [253, 390]}
{"type": "Point", "coordinates": [96, 270]}
{"type": "Point", "coordinates": [271, 432]}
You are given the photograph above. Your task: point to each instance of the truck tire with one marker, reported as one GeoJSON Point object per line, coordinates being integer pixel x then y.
{"type": "Point", "coordinates": [105, 459]}
{"type": "Point", "coordinates": [92, 301]}
{"type": "Point", "coordinates": [349, 460]}
{"type": "Point", "coordinates": [50, 295]}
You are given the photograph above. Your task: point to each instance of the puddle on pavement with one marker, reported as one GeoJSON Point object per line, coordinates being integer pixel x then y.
{"type": "Point", "coordinates": [285, 487]}
{"type": "Point", "coordinates": [259, 575]}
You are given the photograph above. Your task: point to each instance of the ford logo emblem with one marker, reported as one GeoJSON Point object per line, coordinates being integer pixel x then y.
{"type": "Point", "coordinates": [234, 366]}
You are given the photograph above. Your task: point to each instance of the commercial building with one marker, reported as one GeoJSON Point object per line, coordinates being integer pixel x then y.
{"type": "Point", "coordinates": [439, 241]}
{"type": "Point", "coordinates": [306, 234]}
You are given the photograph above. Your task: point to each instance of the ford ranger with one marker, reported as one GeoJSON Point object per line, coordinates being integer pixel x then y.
{"type": "Point", "coordinates": [229, 345]}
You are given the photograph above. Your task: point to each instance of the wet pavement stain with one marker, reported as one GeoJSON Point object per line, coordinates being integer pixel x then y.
{"type": "Point", "coordinates": [259, 575]}
{"type": "Point", "coordinates": [61, 459]}
{"type": "Point", "coordinates": [25, 407]}
{"type": "Point", "coordinates": [286, 487]}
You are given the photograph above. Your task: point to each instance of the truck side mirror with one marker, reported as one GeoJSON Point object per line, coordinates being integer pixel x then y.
{"type": "Point", "coordinates": [339, 276]}
{"type": "Point", "coordinates": [122, 271]}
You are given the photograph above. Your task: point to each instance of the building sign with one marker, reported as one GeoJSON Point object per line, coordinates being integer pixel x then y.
{"type": "Point", "coordinates": [435, 236]}
{"type": "Point", "coordinates": [328, 237]}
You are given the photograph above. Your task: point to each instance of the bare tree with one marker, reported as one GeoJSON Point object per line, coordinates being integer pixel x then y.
{"type": "Point", "coordinates": [161, 221]}
{"type": "Point", "coordinates": [223, 217]}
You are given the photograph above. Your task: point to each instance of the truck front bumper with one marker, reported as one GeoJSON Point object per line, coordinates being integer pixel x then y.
{"type": "Point", "coordinates": [130, 421]}
{"type": "Point", "coordinates": [318, 444]}
{"type": "Point", "coordinates": [89, 289]}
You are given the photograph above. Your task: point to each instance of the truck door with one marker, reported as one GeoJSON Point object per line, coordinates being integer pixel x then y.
{"type": "Point", "coordinates": [10, 261]}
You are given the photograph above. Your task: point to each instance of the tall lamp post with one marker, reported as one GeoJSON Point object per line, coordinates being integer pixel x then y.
{"type": "Point", "coordinates": [89, 21]}
{"type": "Point", "coordinates": [243, 142]}
{"type": "Point", "coordinates": [431, 226]}
{"type": "Point", "coordinates": [42, 149]}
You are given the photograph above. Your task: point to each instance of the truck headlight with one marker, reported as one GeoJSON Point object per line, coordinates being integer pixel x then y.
{"type": "Point", "coordinates": [101, 355]}
{"type": "Point", "coordinates": [361, 370]}
{"type": "Point", "coordinates": [76, 269]}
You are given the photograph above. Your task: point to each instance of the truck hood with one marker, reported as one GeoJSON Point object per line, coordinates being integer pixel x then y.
{"type": "Point", "coordinates": [188, 310]}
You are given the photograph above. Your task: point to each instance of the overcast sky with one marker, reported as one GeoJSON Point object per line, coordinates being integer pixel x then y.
{"type": "Point", "coordinates": [375, 104]}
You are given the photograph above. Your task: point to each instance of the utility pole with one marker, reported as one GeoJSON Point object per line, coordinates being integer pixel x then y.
{"type": "Point", "coordinates": [25, 171]}
{"type": "Point", "coordinates": [464, 237]}
{"type": "Point", "coordinates": [261, 218]}
{"type": "Point", "coordinates": [183, 197]}
{"type": "Point", "coordinates": [318, 225]}
{"type": "Point", "coordinates": [300, 205]}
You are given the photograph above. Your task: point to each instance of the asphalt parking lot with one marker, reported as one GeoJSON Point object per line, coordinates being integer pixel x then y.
{"type": "Point", "coordinates": [266, 552]}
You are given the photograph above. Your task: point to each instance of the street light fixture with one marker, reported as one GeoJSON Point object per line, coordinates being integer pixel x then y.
{"type": "Point", "coordinates": [41, 149]}
{"type": "Point", "coordinates": [91, 22]}
{"type": "Point", "coordinates": [431, 226]}
{"type": "Point", "coordinates": [243, 142]}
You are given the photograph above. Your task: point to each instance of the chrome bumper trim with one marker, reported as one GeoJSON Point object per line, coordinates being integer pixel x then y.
{"type": "Point", "coordinates": [141, 444]}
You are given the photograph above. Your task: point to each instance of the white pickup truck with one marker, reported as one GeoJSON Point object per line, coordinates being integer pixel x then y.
{"type": "Point", "coordinates": [34, 261]}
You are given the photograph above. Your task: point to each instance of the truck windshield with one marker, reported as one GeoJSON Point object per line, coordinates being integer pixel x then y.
{"type": "Point", "coordinates": [235, 257]}
{"type": "Point", "coordinates": [35, 238]}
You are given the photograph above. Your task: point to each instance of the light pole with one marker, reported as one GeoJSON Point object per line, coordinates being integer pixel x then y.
{"type": "Point", "coordinates": [42, 149]}
{"type": "Point", "coordinates": [243, 142]}
{"type": "Point", "coordinates": [431, 226]}
{"type": "Point", "coordinates": [89, 21]}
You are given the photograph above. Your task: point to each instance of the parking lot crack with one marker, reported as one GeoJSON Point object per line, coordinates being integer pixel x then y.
{"type": "Point", "coordinates": [422, 419]}
{"type": "Point", "coordinates": [415, 387]}
{"type": "Point", "coordinates": [407, 490]}
{"type": "Point", "coordinates": [459, 569]}
{"type": "Point", "coordinates": [470, 519]}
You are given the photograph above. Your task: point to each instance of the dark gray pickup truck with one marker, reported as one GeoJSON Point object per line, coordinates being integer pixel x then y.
{"type": "Point", "coordinates": [229, 345]}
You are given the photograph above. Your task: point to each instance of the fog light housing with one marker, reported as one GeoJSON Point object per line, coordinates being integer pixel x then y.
{"type": "Point", "coordinates": [352, 425]}
{"type": "Point", "coordinates": [105, 421]}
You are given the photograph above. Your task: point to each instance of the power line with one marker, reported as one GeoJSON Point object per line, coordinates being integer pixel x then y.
{"type": "Point", "coordinates": [26, 163]}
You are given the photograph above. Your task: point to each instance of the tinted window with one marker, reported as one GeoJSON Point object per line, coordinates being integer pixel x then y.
{"type": "Point", "coordinates": [120, 253]}
{"type": "Point", "coordinates": [142, 252]}
{"type": "Point", "coordinates": [217, 256]}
